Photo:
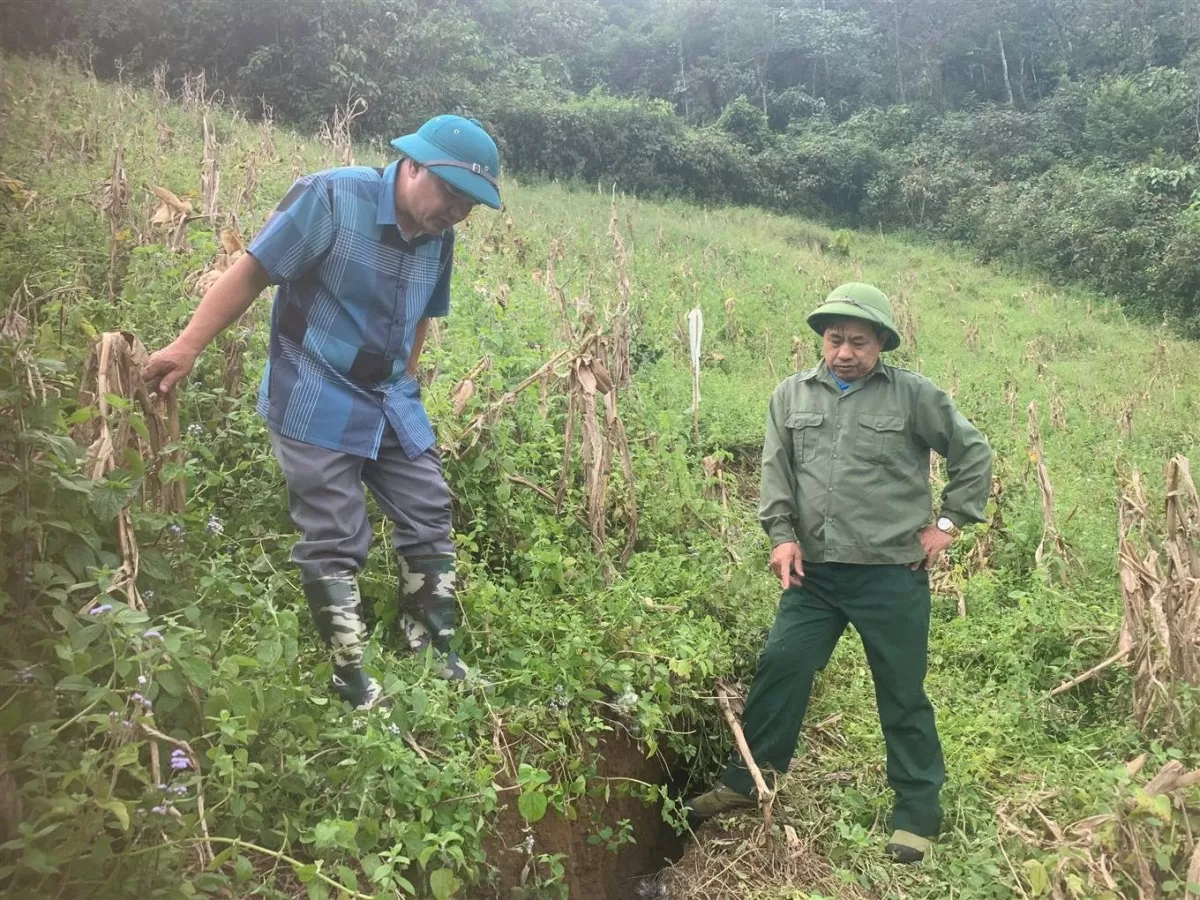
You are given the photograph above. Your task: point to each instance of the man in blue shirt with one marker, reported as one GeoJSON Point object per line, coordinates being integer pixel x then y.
{"type": "Point", "coordinates": [362, 259]}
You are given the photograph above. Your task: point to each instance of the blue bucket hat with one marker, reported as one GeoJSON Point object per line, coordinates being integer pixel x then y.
{"type": "Point", "coordinates": [459, 152]}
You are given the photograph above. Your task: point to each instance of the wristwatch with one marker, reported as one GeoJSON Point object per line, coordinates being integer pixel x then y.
{"type": "Point", "coordinates": [945, 525]}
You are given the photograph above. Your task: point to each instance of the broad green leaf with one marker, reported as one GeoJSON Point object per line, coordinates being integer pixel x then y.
{"type": "Point", "coordinates": [197, 671]}
{"type": "Point", "coordinates": [268, 653]}
{"type": "Point", "coordinates": [347, 877]}
{"type": "Point", "coordinates": [120, 810]}
{"type": "Point", "coordinates": [243, 869]}
{"type": "Point", "coordinates": [325, 834]}
{"type": "Point", "coordinates": [443, 884]}
{"type": "Point", "coordinates": [1035, 873]}
{"type": "Point", "coordinates": [81, 639]}
{"type": "Point", "coordinates": [419, 701]}
{"type": "Point", "coordinates": [532, 806]}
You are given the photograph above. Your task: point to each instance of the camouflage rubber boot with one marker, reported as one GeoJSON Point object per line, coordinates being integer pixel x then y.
{"type": "Point", "coordinates": [906, 847]}
{"type": "Point", "coordinates": [721, 799]}
{"type": "Point", "coordinates": [428, 608]}
{"type": "Point", "coordinates": [337, 611]}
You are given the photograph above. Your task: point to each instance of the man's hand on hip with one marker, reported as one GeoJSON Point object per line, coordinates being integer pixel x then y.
{"type": "Point", "coordinates": [934, 542]}
{"type": "Point", "coordinates": [787, 564]}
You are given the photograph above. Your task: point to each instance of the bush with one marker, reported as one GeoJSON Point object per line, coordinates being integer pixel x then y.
{"type": "Point", "coordinates": [1100, 227]}
{"type": "Point", "coordinates": [746, 124]}
{"type": "Point", "coordinates": [1137, 117]}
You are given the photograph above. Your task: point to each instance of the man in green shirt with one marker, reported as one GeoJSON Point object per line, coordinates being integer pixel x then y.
{"type": "Point", "coordinates": [846, 502]}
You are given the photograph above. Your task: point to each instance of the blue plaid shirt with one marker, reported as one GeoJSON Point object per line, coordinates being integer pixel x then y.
{"type": "Point", "coordinates": [351, 292]}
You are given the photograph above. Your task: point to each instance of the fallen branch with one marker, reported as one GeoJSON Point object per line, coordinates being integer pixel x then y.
{"type": "Point", "coordinates": [546, 495]}
{"type": "Point", "coordinates": [766, 796]}
{"type": "Point", "coordinates": [1090, 673]}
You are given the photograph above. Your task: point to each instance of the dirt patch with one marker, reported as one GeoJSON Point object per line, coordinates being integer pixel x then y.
{"type": "Point", "coordinates": [592, 871]}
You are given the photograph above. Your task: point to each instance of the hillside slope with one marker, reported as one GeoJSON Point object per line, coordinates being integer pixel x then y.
{"type": "Point", "coordinates": [586, 656]}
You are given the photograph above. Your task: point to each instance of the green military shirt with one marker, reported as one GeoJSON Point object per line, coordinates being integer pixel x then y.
{"type": "Point", "coordinates": [847, 474]}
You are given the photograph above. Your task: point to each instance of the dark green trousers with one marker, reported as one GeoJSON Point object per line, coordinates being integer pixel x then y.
{"type": "Point", "coordinates": [889, 608]}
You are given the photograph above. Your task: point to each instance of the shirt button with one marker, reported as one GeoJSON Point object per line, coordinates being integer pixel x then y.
{"type": "Point", "coordinates": [835, 456]}
{"type": "Point", "coordinates": [829, 521]}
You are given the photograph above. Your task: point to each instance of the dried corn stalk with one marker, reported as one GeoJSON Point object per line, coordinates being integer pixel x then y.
{"type": "Point", "coordinates": [566, 331]}
{"type": "Point", "coordinates": [621, 370]}
{"type": "Point", "coordinates": [1160, 589]}
{"type": "Point", "coordinates": [905, 321]}
{"type": "Point", "coordinates": [113, 203]}
{"type": "Point", "coordinates": [231, 251]}
{"type": "Point", "coordinates": [971, 335]}
{"type": "Point", "coordinates": [799, 354]}
{"type": "Point", "coordinates": [158, 78]}
{"type": "Point", "coordinates": [1058, 410]}
{"type": "Point", "coordinates": [1011, 396]}
{"type": "Point", "coordinates": [173, 215]}
{"type": "Point", "coordinates": [249, 189]}
{"type": "Point", "coordinates": [602, 436]}
{"type": "Point", "coordinates": [266, 134]}
{"type": "Point", "coordinates": [334, 134]}
{"type": "Point", "coordinates": [194, 92]}
{"type": "Point", "coordinates": [695, 320]}
{"type": "Point", "coordinates": [465, 389]}
{"type": "Point", "coordinates": [1114, 854]}
{"type": "Point", "coordinates": [210, 172]}
{"type": "Point", "coordinates": [1051, 541]}
{"type": "Point", "coordinates": [1125, 420]}
{"type": "Point", "coordinates": [165, 136]}
{"type": "Point", "coordinates": [114, 369]}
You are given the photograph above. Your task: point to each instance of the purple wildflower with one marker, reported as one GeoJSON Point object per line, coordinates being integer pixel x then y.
{"type": "Point", "coordinates": [179, 760]}
{"type": "Point", "coordinates": [143, 680]}
{"type": "Point", "coordinates": [214, 525]}
{"type": "Point", "coordinates": [179, 790]}
{"type": "Point", "coordinates": [159, 810]}
{"type": "Point", "coordinates": [151, 633]}
{"type": "Point", "coordinates": [176, 530]}
{"type": "Point", "coordinates": [100, 610]}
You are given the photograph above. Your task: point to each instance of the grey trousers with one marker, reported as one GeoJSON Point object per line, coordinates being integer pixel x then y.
{"type": "Point", "coordinates": [329, 507]}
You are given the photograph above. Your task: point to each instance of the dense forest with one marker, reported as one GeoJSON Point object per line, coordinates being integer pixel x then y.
{"type": "Point", "coordinates": [1061, 134]}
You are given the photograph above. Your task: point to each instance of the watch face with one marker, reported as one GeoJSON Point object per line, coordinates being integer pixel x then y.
{"type": "Point", "coordinates": [945, 524]}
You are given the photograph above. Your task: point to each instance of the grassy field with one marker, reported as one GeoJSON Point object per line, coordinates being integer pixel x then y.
{"type": "Point", "coordinates": [581, 655]}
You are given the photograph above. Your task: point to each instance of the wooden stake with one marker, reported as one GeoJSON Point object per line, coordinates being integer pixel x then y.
{"type": "Point", "coordinates": [766, 796]}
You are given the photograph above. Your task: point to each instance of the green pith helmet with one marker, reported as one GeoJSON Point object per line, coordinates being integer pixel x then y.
{"type": "Point", "coordinates": [857, 301]}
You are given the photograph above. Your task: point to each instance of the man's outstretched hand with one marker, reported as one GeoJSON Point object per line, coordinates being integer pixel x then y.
{"type": "Point", "coordinates": [787, 564]}
{"type": "Point", "coordinates": [934, 542]}
{"type": "Point", "coordinates": [168, 366]}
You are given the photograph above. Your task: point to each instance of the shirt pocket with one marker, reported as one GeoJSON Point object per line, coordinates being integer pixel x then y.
{"type": "Point", "coordinates": [880, 438]}
{"type": "Point", "coordinates": [806, 430]}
